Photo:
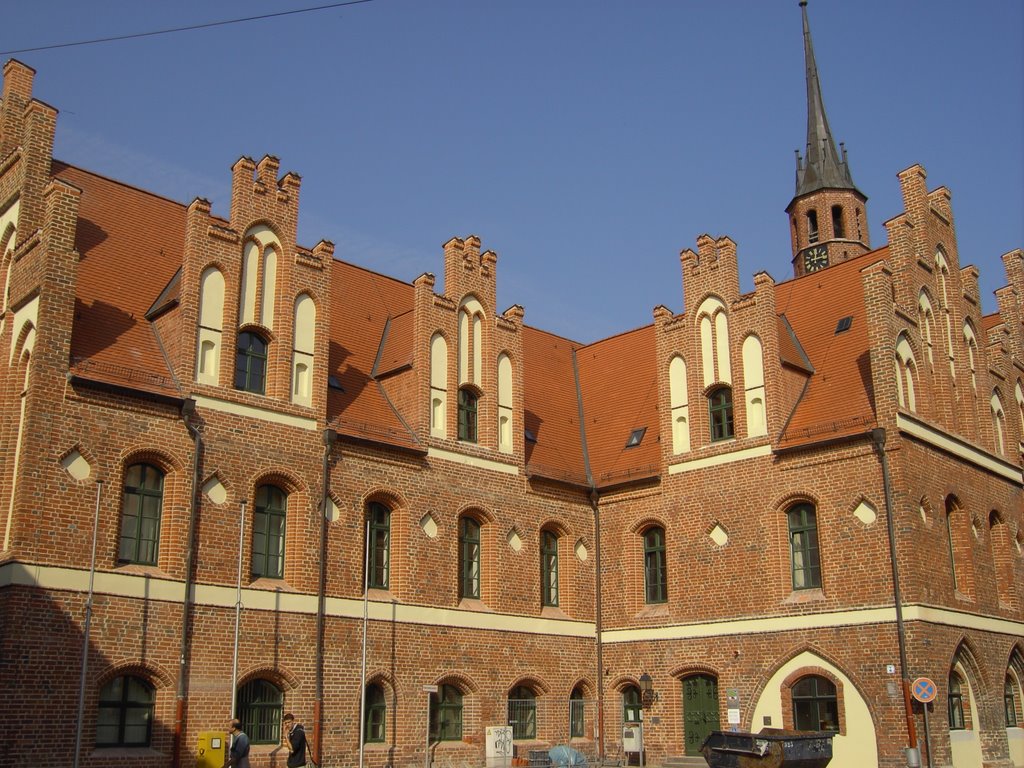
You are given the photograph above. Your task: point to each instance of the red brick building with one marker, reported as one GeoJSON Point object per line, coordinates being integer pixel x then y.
{"type": "Point", "coordinates": [232, 462]}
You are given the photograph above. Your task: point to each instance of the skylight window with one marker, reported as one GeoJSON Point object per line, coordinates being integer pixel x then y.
{"type": "Point", "coordinates": [334, 383]}
{"type": "Point", "coordinates": [530, 437]}
{"type": "Point", "coordinates": [636, 437]}
{"type": "Point", "coordinates": [843, 324]}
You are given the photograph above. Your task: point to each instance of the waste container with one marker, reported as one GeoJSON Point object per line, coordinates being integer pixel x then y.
{"type": "Point", "coordinates": [771, 748]}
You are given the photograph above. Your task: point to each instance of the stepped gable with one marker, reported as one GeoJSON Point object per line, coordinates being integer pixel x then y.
{"type": "Point", "coordinates": [838, 400]}
{"type": "Point", "coordinates": [130, 245]}
{"type": "Point", "coordinates": [618, 378]}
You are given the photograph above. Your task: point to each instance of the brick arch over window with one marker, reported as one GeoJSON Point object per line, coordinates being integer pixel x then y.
{"type": "Point", "coordinates": [634, 560]}
{"type": "Point", "coordinates": [277, 674]}
{"type": "Point", "coordinates": [1001, 550]}
{"type": "Point", "coordinates": [791, 680]}
{"type": "Point", "coordinates": [397, 536]}
{"type": "Point", "coordinates": [150, 671]}
{"type": "Point", "coordinates": [174, 501]}
{"type": "Point", "coordinates": [485, 559]}
{"type": "Point", "coordinates": [959, 545]}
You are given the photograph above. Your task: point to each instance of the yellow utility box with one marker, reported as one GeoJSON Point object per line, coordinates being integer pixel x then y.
{"type": "Point", "coordinates": [212, 749]}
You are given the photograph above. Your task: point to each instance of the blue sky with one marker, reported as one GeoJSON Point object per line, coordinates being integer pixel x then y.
{"type": "Point", "coordinates": [587, 143]}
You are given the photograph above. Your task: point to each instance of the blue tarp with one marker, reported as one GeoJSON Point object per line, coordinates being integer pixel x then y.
{"type": "Point", "coordinates": [567, 756]}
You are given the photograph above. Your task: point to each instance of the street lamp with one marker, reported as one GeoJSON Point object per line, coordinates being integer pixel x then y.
{"type": "Point", "coordinates": [647, 693]}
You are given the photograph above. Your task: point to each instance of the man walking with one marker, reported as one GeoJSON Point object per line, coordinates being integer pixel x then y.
{"type": "Point", "coordinates": [295, 736]}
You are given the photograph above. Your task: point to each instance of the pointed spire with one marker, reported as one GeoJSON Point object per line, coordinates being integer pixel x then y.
{"type": "Point", "coordinates": [823, 168]}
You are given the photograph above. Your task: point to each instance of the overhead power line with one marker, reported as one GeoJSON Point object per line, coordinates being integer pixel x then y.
{"type": "Point", "coordinates": [184, 29]}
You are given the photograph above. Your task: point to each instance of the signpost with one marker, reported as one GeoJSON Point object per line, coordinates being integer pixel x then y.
{"type": "Point", "coordinates": [923, 689]}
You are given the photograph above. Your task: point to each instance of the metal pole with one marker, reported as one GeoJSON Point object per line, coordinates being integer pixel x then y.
{"type": "Point", "coordinates": [238, 612]}
{"type": "Point", "coordinates": [927, 735]}
{"type": "Point", "coordinates": [362, 676]}
{"type": "Point", "coordinates": [426, 751]}
{"type": "Point", "coordinates": [88, 624]}
{"type": "Point", "coordinates": [878, 437]}
{"type": "Point", "coordinates": [329, 436]}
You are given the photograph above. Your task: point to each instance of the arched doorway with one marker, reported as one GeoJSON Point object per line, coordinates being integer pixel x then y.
{"type": "Point", "coordinates": [700, 710]}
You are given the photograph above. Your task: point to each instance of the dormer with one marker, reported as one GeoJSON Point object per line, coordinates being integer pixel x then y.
{"type": "Point", "coordinates": [256, 296]}
{"type": "Point", "coordinates": [472, 390]}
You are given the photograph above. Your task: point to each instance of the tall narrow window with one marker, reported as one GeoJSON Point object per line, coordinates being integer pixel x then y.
{"type": "Point", "coordinates": [504, 403]}
{"type": "Point", "coordinates": [549, 568]}
{"type": "Point", "coordinates": [438, 386]}
{"type": "Point", "coordinates": [125, 714]}
{"type": "Point", "coordinates": [1010, 702]}
{"type": "Point", "coordinates": [522, 712]}
{"type": "Point", "coordinates": [577, 714]}
{"type": "Point", "coordinates": [956, 703]}
{"type": "Point", "coordinates": [838, 230]}
{"type": "Point", "coordinates": [268, 532]}
{"type": "Point", "coordinates": [812, 226]}
{"type": "Point", "coordinates": [906, 369]}
{"type": "Point", "coordinates": [815, 707]}
{"type": "Point", "coordinates": [803, 545]}
{"type": "Point", "coordinates": [998, 422]}
{"type": "Point", "coordinates": [260, 705]}
{"type": "Point", "coordinates": [376, 714]}
{"type": "Point", "coordinates": [631, 706]}
{"type": "Point", "coordinates": [446, 714]}
{"type": "Point", "coordinates": [304, 348]}
{"type": "Point", "coordinates": [211, 325]}
{"type": "Point", "coordinates": [720, 411]}
{"type": "Point", "coordinates": [951, 510]}
{"type": "Point", "coordinates": [467, 415]}
{"type": "Point", "coordinates": [655, 572]}
{"type": "Point", "coordinates": [469, 558]}
{"type": "Point", "coordinates": [380, 546]}
{"type": "Point", "coordinates": [251, 363]}
{"type": "Point", "coordinates": [679, 399]}
{"type": "Point", "coordinates": [140, 514]}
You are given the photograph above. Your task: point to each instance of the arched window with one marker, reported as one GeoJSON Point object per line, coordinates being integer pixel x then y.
{"type": "Point", "coordinates": [467, 415]}
{"type": "Point", "coordinates": [926, 318]}
{"type": "Point", "coordinates": [972, 352]}
{"type": "Point", "coordinates": [956, 703]}
{"type": "Point", "coordinates": [374, 727]}
{"type": "Point", "coordinates": [548, 568]}
{"type": "Point", "coordinates": [906, 369]}
{"type": "Point", "coordinates": [753, 378]}
{"type": "Point", "coordinates": [803, 547]}
{"type": "Point", "coordinates": [631, 706]}
{"type": "Point", "coordinates": [140, 514]}
{"type": "Point", "coordinates": [211, 325]}
{"type": "Point", "coordinates": [438, 386]}
{"type": "Point", "coordinates": [504, 403]}
{"type": "Point", "coordinates": [812, 226]}
{"type": "Point", "coordinates": [998, 422]}
{"type": "Point", "coordinates": [125, 714]}
{"type": "Point", "coordinates": [268, 528]}
{"type": "Point", "coordinates": [679, 399]}
{"type": "Point", "coordinates": [446, 714]}
{"type": "Point", "coordinates": [577, 714]}
{"type": "Point", "coordinates": [380, 545]}
{"type": "Point", "coordinates": [251, 363]}
{"type": "Point", "coordinates": [303, 351]}
{"type": "Point", "coordinates": [260, 708]}
{"type": "Point", "coordinates": [522, 712]}
{"type": "Point", "coordinates": [655, 571]}
{"type": "Point", "coordinates": [720, 412]}
{"type": "Point", "coordinates": [469, 558]}
{"type": "Point", "coordinates": [815, 706]}
{"type": "Point", "coordinates": [942, 272]}
{"type": "Point", "coordinates": [838, 230]}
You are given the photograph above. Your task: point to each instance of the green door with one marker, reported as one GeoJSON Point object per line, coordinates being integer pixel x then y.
{"type": "Point", "coordinates": [700, 710]}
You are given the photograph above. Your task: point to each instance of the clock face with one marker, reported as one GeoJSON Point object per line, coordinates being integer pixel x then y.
{"type": "Point", "coordinates": [815, 258]}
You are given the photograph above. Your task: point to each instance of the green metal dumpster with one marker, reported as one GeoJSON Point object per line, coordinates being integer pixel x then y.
{"type": "Point", "coordinates": [771, 748]}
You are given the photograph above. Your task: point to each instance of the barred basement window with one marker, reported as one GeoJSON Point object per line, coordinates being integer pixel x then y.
{"type": "Point", "coordinates": [631, 706]}
{"type": "Point", "coordinates": [577, 707]}
{"type": "Point", "coordinates": [260, 708]}
{"type": "Point", "coordinates": [125, 714]}
{"type": "Point", "coordinates": [522, 712]}
{"type": "Point", "coordinates": [140, 514]}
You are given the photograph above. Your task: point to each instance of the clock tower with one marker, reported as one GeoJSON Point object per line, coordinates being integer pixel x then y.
{"type": "Point", "coordinates": [827, 215]}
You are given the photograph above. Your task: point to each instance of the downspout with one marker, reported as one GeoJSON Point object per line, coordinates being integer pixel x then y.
{"type": "Point", "coordinates": [330, 436]}
{"type": "Point", "coordinates": [88, 624]}
{"type": "Point", "coordinates": [238, 611]}
{"type": "Point", "coordinates": [878, 437]}
{"type": "Point", "coordinates": [594, 499]}
{"type": "Point", "coordinates": [188, 409]}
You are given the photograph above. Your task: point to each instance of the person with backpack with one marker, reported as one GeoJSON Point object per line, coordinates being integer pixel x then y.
{"type": "Point", "coordinates": [295, 737]}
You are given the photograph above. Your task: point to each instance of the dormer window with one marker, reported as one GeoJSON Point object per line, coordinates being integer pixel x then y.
{"type": "Point", "coordinates": [636, 437]}
{"type": "Point", "coordinates": [251, 363]}
{"type": "Point", "coordinates": [467, 415]}
{"type": "Point", "coordinates": [720, 411]}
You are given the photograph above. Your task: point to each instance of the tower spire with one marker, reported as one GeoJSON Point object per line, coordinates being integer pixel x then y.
{"type": "Point", "coordinates": [823, 167]}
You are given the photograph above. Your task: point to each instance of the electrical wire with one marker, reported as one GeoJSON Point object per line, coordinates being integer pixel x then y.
{"type": "Point", "coordinates": [184, 29]}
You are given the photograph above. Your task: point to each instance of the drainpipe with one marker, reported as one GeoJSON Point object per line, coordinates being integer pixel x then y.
{"type": "Point", "coordinates": [88, 624]}
{"type": "Point", "coordinates": [597, 624]}
{"type": "Point", "coordinates": [238, 611]}
{"type": "Point", "coordinates": [188, 410]}
{"type": "Point", "coordinates": [362, 673]}
{"type": "Point", "coordinates": [913, 754]}
{"type": "Point", "coordinates": [330, 436]}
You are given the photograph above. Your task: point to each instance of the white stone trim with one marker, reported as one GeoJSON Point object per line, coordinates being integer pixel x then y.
{"type": "Point", "coordinates": [719, 459]}
{"type": "Point", "coordinates": [250, 411]}
{"type": "Point", "coordinates": [958, 447]}
{"type": "Point", "coordinates": [473, 461]}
